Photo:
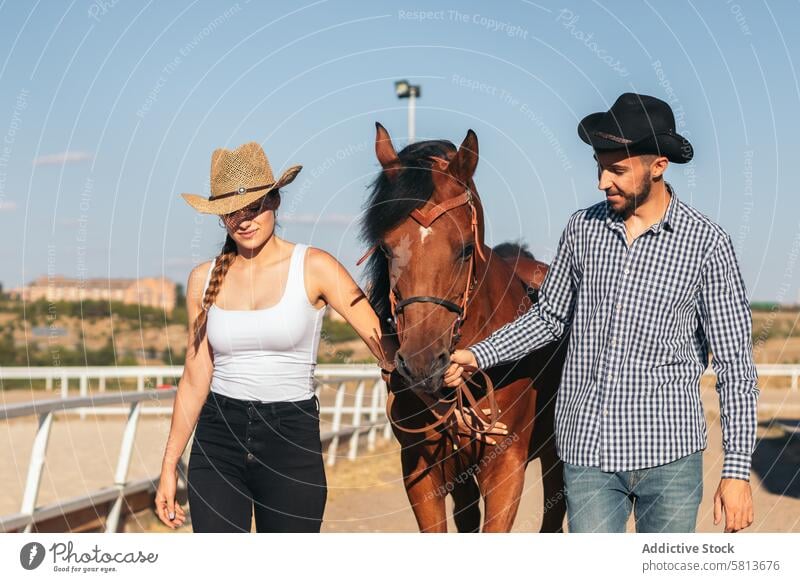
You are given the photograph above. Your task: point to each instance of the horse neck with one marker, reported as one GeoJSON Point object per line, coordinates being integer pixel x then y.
{"type": "Point", "coordinates": [494, 281]}
{"type": "Point", "coordinates": [496, 299]}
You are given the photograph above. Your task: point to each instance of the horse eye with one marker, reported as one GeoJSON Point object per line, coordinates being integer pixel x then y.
{"type": "Point", "coordinates": [467, 251]}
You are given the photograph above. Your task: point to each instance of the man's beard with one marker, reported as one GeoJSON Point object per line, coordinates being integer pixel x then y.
{"type": "Point", "coordinates": [633, 201]}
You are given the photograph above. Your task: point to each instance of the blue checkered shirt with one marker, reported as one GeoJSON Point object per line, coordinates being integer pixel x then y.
{"type": "Point", "coordinates": [642, 318]}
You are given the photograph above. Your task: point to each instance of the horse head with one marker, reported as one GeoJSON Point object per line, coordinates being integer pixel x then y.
{"type": "Point", "coordinates": [425, 219]}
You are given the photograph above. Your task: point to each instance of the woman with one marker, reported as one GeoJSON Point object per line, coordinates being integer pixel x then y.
{"type": "Point", "coordinates": [255, 315]}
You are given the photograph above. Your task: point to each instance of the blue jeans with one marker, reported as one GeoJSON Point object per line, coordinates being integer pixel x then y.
{"type": "Point", "coordinates": [664, 498]}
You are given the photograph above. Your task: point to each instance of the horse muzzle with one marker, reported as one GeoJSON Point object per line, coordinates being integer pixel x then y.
{"type": "Point", "coordinates": [421, 370]}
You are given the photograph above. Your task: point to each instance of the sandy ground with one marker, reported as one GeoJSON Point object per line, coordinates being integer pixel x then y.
{"type": "Point", "coordinates": [367, 494]}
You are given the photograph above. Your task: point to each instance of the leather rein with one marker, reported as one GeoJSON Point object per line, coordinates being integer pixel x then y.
{"type": "Point", "coordinates": [461, 399]}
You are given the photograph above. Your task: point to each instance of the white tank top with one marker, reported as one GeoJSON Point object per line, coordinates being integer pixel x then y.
{"type": "Point", "coordinates": [267, 354]}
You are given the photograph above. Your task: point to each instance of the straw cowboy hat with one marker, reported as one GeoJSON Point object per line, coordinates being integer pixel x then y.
{"type": "Point", "coordinates": [238, 178]}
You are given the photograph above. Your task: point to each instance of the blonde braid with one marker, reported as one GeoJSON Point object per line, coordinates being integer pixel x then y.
{"type": "Point", "coordinates": [222, 264]}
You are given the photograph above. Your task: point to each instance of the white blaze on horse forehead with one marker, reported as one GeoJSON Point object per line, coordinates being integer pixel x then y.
{"type": "Point", "coordinates": [401, 256]}
{"type": "Point", "coordinates": [423, 233]}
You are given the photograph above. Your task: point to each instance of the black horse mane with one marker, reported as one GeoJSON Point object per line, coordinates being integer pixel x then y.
{"type": "Point", "coordinates": [389, 203]}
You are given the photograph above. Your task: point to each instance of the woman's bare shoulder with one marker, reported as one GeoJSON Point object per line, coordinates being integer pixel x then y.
{"type": "Point", "coordinates": [200, 272]}
{"type": "Point", "coordinates": [321, 261]}
{"type": "Point", "coordinates": [324, 269]}
{"type": "Point", "coordinates": [197, 280]}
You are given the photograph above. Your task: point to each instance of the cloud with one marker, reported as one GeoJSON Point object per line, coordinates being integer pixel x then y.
{"type": "Point", "coordinates": [62, 158]}
{"type": "Point", "coordinates": [318, 218]}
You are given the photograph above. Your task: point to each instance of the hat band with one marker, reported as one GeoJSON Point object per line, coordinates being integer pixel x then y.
{"type": "Point", "coordinates": [612, 137]}
{"type": "Point", "coordinates": [623, 141]}
{"type": "Point", "coordinates": [241, 190]}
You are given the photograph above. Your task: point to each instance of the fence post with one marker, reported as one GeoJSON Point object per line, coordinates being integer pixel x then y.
{"type": "Point", "coordinates": [36, 467]}
{"type": "Point", "coordinates": [356, 421]}
{"type": "Point", "coordinates": [121, 477]}
{"type": "Point", "coordinates": [336, 424]}
{"type": "Point", "coordinates": [84, 391]}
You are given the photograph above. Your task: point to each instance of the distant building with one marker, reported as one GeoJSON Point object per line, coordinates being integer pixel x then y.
{"type": "Point", "coordinates": [149, 291]}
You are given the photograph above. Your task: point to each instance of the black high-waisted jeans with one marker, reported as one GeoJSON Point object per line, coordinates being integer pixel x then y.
{"type": "Point", "coordinates": [250, 454]}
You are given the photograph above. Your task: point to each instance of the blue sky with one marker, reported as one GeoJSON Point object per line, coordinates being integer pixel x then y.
{"type": "Point", "coordinates": [111, 109]}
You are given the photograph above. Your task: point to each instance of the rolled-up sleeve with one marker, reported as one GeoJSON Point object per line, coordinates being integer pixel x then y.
{"type": "Point", "coordinates": [546, 320]}
{"type": "Point", "coordinates": [727, 324]}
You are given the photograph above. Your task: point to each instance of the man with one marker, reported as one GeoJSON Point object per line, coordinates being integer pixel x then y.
{"type": "Point", "coordinates": [648, 286]}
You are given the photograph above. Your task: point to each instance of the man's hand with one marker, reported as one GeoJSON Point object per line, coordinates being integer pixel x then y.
{"type": "Point", "coordinates": [733, 496]}
{"type": "Point", "coordinates": [460, 361]}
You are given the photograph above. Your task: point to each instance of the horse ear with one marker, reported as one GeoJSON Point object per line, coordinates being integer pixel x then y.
{"type": "Point", "coordinates": [387, 156]}
{"type": "Point", "coordinates": [466, 160]}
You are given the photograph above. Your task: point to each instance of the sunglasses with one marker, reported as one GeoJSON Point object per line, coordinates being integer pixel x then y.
{"type": "Point", "coordinates": [248, 212]}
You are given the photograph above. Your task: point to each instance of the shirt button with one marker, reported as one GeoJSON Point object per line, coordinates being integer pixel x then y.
{"type": "Point", "coordinates": [611, 376]}
{"type": "Point", "coordinates": [605, 412]}
{"type": "Point", "coordinates": [249, 456]}
{"type": "Point", "coordinates": [627, 271]}
{"type": "Point", "coordinates": [618, 306]}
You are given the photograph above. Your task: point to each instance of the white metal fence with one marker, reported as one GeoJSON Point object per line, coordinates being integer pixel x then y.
{"type": "Point", "coordinates": [352, 401]}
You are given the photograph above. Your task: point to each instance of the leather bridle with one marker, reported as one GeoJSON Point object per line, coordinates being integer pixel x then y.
{"type": "Point", "coordinates": [425, 219]}
{"type": "Point", "coordinates": [462, 398]}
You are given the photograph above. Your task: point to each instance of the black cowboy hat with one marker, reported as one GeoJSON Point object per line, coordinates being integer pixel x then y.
{"type": "Point", "coordinates": [640, 123]}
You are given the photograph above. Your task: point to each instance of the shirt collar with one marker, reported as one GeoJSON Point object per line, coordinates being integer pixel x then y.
{"type": "Point", "coordinates": [667, 221]}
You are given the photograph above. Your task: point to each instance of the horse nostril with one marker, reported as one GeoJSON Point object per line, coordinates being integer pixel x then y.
{"type": "Point", "coordinates": [401, 363]}
{"type": "Point", "coordinates": [441, 362]}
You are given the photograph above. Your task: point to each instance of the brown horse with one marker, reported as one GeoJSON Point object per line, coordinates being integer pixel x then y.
{"type": "Point", "coordinates": [437, 287]}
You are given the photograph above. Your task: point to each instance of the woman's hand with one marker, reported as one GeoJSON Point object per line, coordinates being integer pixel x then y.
{"type": "Point", "coordinates": [461, 361]}
{"type": "Point", "coordinates": [168, 510]}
